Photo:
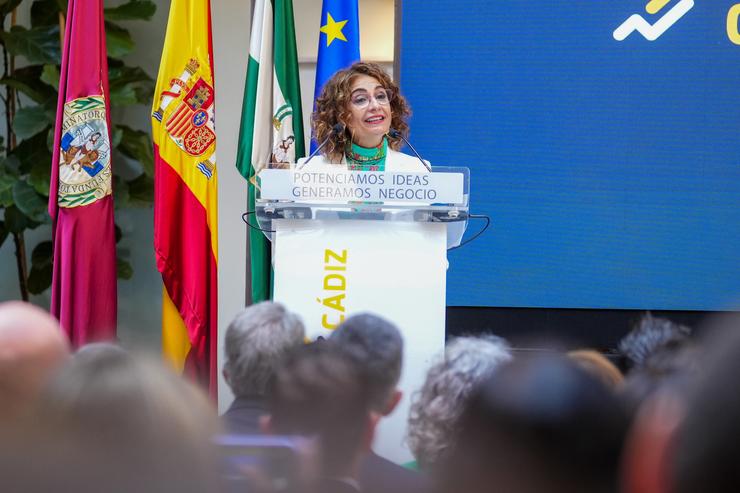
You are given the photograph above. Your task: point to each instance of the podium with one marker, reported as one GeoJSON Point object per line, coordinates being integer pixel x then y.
{"type": "Point", "coordinates": [348, 242]}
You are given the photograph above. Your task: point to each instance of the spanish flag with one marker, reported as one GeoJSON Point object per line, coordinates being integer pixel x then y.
{"type": "Point", "coordinates": [185, 191]}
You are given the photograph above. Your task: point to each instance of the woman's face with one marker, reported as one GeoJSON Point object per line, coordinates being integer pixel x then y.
{"type": "Point", "coordinates": [370, 111]}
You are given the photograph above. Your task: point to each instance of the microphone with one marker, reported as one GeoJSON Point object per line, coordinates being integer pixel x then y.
{"type": "Point", "coordinates": [336, 129]}
{"type": "Point", "coordinates": [395, 134]}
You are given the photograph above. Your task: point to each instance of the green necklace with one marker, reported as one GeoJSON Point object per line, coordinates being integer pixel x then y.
{"type": "Point", "coordinates": [366, 159]}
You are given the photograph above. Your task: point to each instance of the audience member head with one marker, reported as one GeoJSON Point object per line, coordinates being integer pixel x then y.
{"type": "Point", "coordinates": [538, 424]}
{"type": "Point", "coordinates": [436, 408]}
{"type": "Point", "coordinates": [256, 341]}
{"type": "Point", "coordinates": [669, 365]}
{"type": "Point", "coordinates": [599, 366]}
{"type": "Point", "coordinates": [377, 346]}
{"type": "Point", "coordinates": [705, 446]}
{"type": "Point", "coordinates": [101, 350]}
{"type": "Point", "coordinates": [143, 427]}
{"type": "Point", "coordinates": [650, 335]}
{"type": "Point", "coordinates": [320, 392]}
{"type": "Point", "coordinates": [32, 348]}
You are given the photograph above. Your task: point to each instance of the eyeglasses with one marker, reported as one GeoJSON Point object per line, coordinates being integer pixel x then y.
{"type": "Point", "coordinates": [362, 100]}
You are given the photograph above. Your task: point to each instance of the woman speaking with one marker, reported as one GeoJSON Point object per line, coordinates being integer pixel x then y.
{"type": "Point", "coordinates": [356, 111]}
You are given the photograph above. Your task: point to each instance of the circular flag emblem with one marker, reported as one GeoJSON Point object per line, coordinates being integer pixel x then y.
{"type": "Point", "coordinates": [84, 154]}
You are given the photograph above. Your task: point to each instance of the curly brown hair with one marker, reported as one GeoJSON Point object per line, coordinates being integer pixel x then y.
{"type": "Point", "coordinates": [332, 108]}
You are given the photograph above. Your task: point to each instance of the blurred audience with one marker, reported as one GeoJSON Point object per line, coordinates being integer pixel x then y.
{"type": "Point", "coordinates": [133, 425]}
{"type": "Point", "coordinates": [106, 420]}
{"type": "Point", "coordinates": [377, 347]}
{"type": "Point", "coordinates": [255, 343]}
{"type": "Point", "coordinates": [599, 366]}
{"type": "Point", "coordinates": [703, 451]}
{"type": "Point", "coordinates": [436, 408]}
{"type": "Point", "coordinates": [320, 392]}
{"type": "Point", "coordinates": [537, 424]}
{"type": "Point", "coordinates": [32, 348]}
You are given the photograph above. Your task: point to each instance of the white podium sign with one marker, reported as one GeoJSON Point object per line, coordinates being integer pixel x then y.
{"type": "Point", "coordinates": [328, 270]}
{"type": "Point", "coordinates": [372, 186]}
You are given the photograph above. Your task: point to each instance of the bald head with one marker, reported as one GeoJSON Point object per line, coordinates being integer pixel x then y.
{"type": "Point", "coordinates": [32, 347]}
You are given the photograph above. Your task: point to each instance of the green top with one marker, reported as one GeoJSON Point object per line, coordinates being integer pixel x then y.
{"type": "Point", "coordinates": [366, 159]}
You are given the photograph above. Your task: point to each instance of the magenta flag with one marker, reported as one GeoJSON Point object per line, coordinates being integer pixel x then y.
{"type": "Point", "coordinates": [83, 290]}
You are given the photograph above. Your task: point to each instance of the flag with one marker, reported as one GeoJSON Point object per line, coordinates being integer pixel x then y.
{"type": "Point", "coordinates": [83, 290]}
{"type": "Point", "coordinates": [272, 122]}
{"type": "Point", "coordinates": [185, 191]}
{"type": "Point", "coordinates": [339, 42]}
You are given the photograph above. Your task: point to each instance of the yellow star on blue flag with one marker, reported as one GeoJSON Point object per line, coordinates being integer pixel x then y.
{"type": "Point", "coordinates": [333, 29]}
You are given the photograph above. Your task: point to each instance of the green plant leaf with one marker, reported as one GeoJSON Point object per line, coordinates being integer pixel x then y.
{"type": "Point", "coordinates": [3, 233]}
{"type": "Point", "coordinates": [39, 280]}
{"type": "Point", "coordinates": [118, 41]}
{"type": "Point", "coordinates": [15, 220]}
{"type": "Point", "coordinates": [129, 85]}
{"type": "Point", "coordinates": [121, 74]}
{"type": "Point", "coordinates": [124, 269]}
{"type": "Point", "coordinates": [31, 151]}
{"type": "Point", "coordinates": [7, 180]}
{"type": "Point", "coordinates": [31, 120]}
{"type": "Point", "coordinates": [123, 95]}
{"type": "Point", "coordinates": [45, 13]}
{"type": "Point", "coordinates": [116, 136]}
{"type": "Point", "coordinates": [29, 81]}
{"type": "Point", "coordinates": [42, 254]}
{"type": "Point", "coordinates": [6, 7]}
{"type": "Point", "coordinates": [141, 191]}
{"type": "Point", "coordinates": [134, 10]}
{"type": "Point", "coordinates": [8, 177]}
{"type": "Point", "coordinates": [29, 202]}
{"type": "Point", "coordinates": [37, 45]}
{"type": "Point", "coordinates": [137, 145]}
{"type": "Point", "coordinates": [40, 177]}
{"type": "Point", "coordinates": [50, 75]}
{"type": "Point", "coordinates": [120, 193]}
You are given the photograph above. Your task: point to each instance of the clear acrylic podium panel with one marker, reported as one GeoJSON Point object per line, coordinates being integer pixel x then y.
{"type": "Point", "coordinates": [454, 215]}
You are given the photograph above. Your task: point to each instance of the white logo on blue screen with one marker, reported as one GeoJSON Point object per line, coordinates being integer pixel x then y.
{"type": "Point", "coordinates": [653, 31]}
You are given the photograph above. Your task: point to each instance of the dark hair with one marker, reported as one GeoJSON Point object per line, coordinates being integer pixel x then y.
{"type": "Point", "coordinates": [319, 391]}
{"type": "Point", "coordinates": [544, 415]}
{"type": "Point", "coordinates": [331, 108]}
{"type": "Point", "coordinates": [377, 346]}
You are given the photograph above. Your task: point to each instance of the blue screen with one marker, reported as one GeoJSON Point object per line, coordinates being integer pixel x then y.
{"type": "Point", "coordinates": [610, 169]}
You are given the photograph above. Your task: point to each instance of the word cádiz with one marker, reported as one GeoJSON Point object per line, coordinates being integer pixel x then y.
{"type": "Point", "coordinates": [335, 287]}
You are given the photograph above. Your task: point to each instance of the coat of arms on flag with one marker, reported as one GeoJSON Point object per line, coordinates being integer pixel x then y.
{"type": "Point", "coordinates": [187, 108]}
{"type": "Point", "coordinates": [84, 157]}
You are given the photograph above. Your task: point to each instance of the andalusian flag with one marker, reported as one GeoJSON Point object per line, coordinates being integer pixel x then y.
{"type": "Point", "coordinates": [185, 191]}
{"type": "Point", "coordinates": [83, 290]}
{"type": "Point", "coordinates": [272, 126]}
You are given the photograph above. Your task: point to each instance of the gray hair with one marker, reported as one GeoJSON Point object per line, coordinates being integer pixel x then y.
{"type": "Point", "coordinates": [436, 408]}
{"type": "Point", "coordinates": [378, 347]}
{"type": "Point", "coordinates": [649, 336]}
{"type": "Point", "coordinates": [255, 343]}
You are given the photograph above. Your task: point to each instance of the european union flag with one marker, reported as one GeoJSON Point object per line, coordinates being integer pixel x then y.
{"type": "Point", "coordinates": [339, 41]}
